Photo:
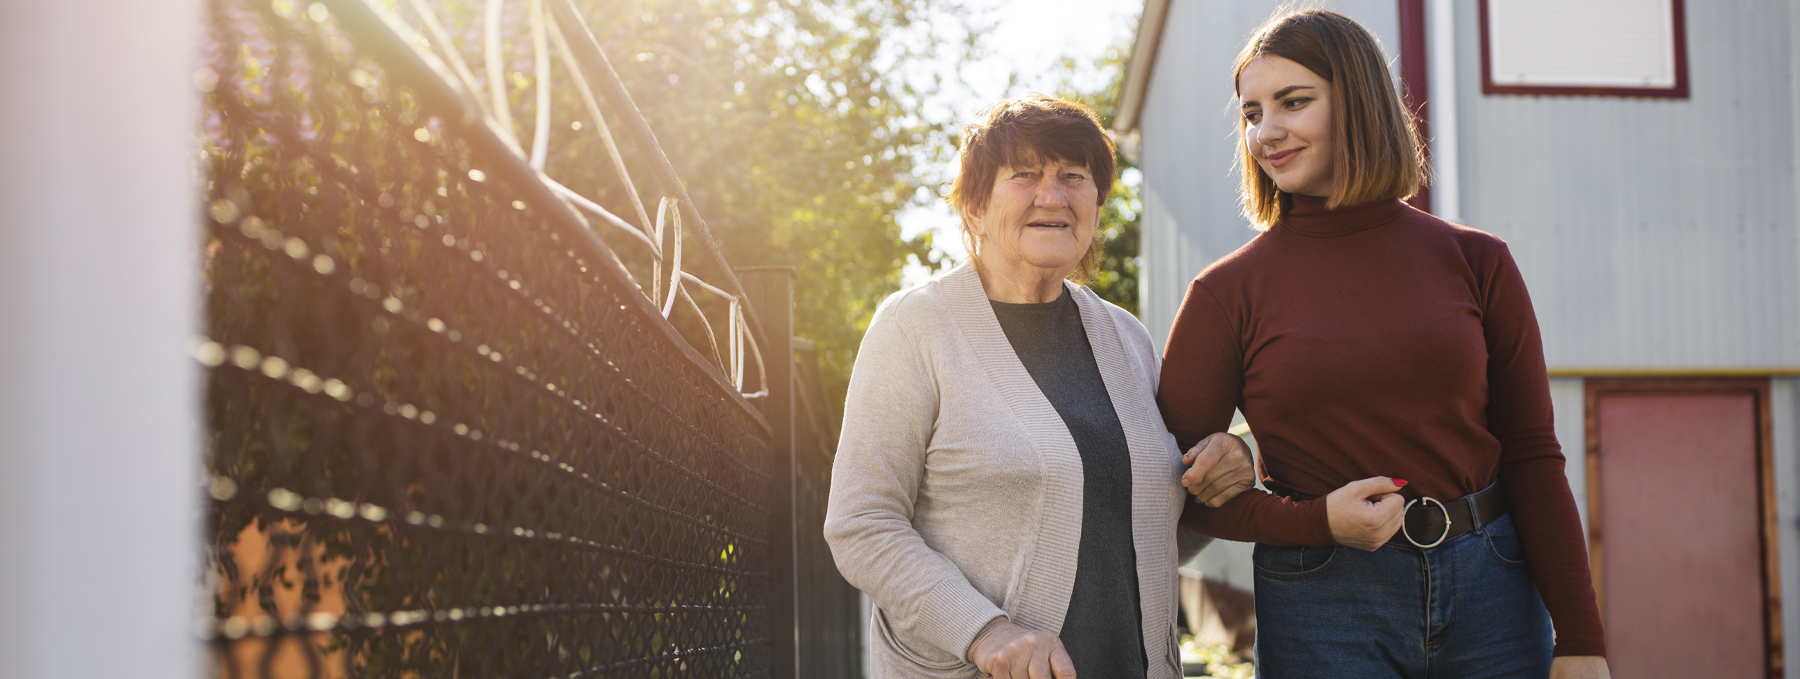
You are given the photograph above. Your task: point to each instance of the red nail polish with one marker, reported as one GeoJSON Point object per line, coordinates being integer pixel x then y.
{"type": "Point", "coordinates": [1400, 482]}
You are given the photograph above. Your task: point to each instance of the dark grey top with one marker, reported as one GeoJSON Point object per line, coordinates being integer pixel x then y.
{"type": "Point", "coordinates": [1103, 630]}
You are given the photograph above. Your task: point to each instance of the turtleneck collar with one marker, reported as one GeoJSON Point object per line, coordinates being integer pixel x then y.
{"type": "Point", "coordinates": [1308, 216]}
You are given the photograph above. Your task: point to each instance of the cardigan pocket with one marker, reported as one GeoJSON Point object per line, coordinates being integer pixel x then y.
{"type": "Point", "coordinates": [946, 667]}
{"type": "Point", "coordinates": [1174, 654]}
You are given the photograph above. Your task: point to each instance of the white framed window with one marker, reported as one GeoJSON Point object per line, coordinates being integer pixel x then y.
{"type": "Point", "coordinates": [1577, 47]}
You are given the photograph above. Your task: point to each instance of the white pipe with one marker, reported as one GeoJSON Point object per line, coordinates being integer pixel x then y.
{"type": "Point", "coordinates": [100, 250]}
{"type": "Point", "coordinates": [1446, 194]}
{"type": "Point", "coordinates": [496, 72]}
{"type": "Point", "coordinates": [442, 38]}
{"type": "Point", "coordinates": [708, 286]}
{"type": "Point", "coordinates": [604, 214]}
{"type": "Point", "coordinates": [593, 108]}
{"type": "Point", "coordinates": [540, 57]}
{"type": "Point", "coordinates": [674, 264]}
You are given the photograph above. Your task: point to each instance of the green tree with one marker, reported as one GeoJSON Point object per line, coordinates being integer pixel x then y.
{"type": "Point", "coordinates": [791, 135]}
{"type": "Point", "coordinates": [1117, 277]}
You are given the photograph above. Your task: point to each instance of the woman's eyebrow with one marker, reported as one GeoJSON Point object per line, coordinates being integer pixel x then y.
{"type": "Point", "coordinates": [1290, 90]}
{"type": "Point", "coordinates": [1253, 103]}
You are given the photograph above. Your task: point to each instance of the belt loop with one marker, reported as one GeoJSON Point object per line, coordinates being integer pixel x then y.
{"type": "Point", "coordinates": [1479, 522]}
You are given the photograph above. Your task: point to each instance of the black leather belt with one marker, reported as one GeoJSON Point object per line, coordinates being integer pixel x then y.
{"type": "Point", "coordinates": [1426, 518]}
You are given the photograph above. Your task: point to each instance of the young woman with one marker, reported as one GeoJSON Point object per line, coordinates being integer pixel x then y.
{"type": "Point", "coordinates": [1384, 353]}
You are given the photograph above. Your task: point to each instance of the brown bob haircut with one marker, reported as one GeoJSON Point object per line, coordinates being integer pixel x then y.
{"type": "Point", "coordinates": [1378, 155]}
{"type": "Point", "coordinates": [1024, 131]}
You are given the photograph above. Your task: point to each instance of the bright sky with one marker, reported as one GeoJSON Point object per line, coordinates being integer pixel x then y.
{"type": "Point", "coordinates": [1028, 38]}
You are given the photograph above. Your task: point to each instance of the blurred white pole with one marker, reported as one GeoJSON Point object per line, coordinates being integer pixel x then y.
{"type": "Point", "coordinates": [1446, 194]}
{"type": "Point", "coordinates": [99, 452]}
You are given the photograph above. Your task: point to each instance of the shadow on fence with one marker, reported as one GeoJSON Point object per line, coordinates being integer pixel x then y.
{"type": "Point", "coordinates": [453, 431]}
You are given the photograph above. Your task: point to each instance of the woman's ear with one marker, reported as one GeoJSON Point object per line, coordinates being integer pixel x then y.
{"type": "Point", "coordinates": [971, 230]}
{"type": "Point", "coordinates": [971, 219]}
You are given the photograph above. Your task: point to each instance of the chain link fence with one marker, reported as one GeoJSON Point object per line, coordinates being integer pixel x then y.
{"type": "Point", "coordinates": [451, 430]}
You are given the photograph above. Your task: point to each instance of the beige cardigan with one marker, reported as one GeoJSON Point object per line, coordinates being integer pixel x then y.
{"type": "Point", "coordinates": [957, 491]}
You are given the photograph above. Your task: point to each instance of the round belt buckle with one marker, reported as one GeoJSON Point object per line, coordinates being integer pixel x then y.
{"type": "Point", "coordinates": [1441, 536]}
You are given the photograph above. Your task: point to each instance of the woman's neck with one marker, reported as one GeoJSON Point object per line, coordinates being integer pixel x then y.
{"type": "Point", "coordinates": [1308, 216]}
{"type": "Point", "coordinates": [1019, 284]}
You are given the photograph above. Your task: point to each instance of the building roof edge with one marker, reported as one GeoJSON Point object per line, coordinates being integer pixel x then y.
{"type": "Point", "coordinates": [1139, 67]}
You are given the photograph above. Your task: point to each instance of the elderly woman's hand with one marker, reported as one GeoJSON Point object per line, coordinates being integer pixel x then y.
{"type": "Point", "coordinates": [1220, 467]}
{"type": "Point", "coordinates": [1004, 650]}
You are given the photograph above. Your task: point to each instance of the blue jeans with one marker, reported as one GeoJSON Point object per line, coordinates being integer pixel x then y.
{"type": "Point", "coordinates": [1466, 608]}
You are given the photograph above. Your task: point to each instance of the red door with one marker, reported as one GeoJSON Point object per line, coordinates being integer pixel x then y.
{"type": "Point", "coordinates": [1678, 527]}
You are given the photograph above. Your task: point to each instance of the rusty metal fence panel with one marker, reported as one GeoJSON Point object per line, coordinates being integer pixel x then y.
{"type": "Point", "coordinates": [450, 434]}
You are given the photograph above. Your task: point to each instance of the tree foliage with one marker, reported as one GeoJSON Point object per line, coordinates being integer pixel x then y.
{"type": "Point", "coordinates": [1117, 277]}
{"type": "Point", "coordinates": [793, 137]}
{"type": "Point", "coordinates": [800, 141]}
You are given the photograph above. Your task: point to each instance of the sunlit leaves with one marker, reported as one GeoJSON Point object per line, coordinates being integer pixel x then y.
{"type": "Point", "coordinates": [789, 132]}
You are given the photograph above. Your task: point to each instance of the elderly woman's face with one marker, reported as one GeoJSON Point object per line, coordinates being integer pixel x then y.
{"type": "Point", "coordinates": [1042, 216]}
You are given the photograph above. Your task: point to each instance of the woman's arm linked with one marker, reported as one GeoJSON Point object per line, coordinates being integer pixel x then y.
{"type": "Point", "coordinates": [1202, 380]}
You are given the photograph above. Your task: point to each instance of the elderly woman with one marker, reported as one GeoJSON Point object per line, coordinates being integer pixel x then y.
{"type": "Point", "coordinates": [1005, 490]}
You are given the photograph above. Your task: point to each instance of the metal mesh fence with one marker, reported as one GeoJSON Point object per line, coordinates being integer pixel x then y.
{"type": "Point", "coordinates": [448, 436]}
{"type": "Point", "coordinates": [829, 609]}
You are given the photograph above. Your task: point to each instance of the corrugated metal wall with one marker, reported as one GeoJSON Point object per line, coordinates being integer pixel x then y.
{"type": "Point", "coordinates": [1653, 233]}
{"type": "Point", "coordinates": [1784, 401]}
{"type": "Point", "coordinates": [1189, 132]}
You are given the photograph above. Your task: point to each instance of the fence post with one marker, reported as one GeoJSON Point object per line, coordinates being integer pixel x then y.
{"type": "Point", "coordinates": [99, 287]}
{"type": "Point", "coordinates": [770, 290]}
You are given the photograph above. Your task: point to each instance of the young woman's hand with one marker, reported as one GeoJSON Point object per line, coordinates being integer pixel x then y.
{"type": "Point", "coordinates": [1579, 667]}
{"type": "Point", "coordinates": [1004, 650]}
{"type": "Point", "coordinates": [1220, 467]}
{"type": "Point", "coordinates": [1365, 514]}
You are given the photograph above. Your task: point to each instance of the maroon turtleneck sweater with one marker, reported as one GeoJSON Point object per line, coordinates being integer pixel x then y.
{"type": "Point", "coordinates": [1378, 340]}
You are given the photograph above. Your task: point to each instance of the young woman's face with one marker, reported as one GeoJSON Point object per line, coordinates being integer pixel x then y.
{"type": "Point", "coordinates": [1287, 124]}
{"type": "Point", "coordinates": [1042, 215]}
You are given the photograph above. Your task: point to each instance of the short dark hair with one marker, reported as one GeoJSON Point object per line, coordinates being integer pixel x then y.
{"type": "Point", "coordinates": [1378, 155]}
{"type": "Point", "coordinates": [1028, 130]}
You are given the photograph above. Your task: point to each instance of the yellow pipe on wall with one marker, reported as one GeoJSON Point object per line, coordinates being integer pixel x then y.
{"type": "Point", "coordinates": [1777, 371]}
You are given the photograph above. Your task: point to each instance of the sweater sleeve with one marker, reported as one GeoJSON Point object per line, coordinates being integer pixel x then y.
{"type": "Point", "coordinates": [1202, 383]}
{"type": "Point", "coordinates": [1188, 543]}
{"type": "Point", "coordinates": [889, 414]}
{"type": "Point", "coordinates": [1532, 463]}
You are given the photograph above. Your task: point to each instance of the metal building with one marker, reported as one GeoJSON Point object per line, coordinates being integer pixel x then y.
{"type": "Point", "coordinates": [1639, 157]}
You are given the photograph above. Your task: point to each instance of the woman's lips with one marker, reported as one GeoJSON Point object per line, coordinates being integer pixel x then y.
{"type": "Point", "coordinates": [1282, 158]}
